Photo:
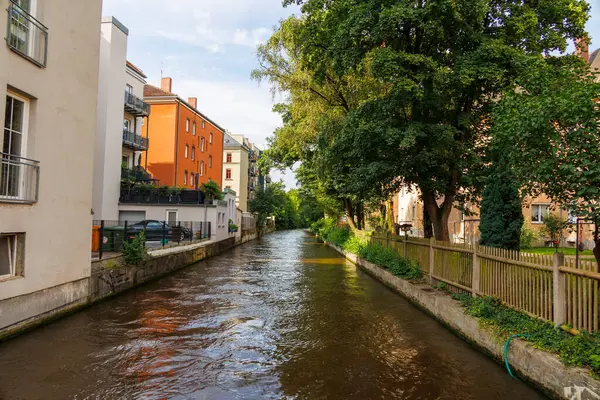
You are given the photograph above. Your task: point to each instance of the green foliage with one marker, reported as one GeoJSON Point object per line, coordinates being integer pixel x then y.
{"type": "Point", "coordinates": [274, 201]}
{"type": "Point", "coordinates": [211, 190]}
{"type": "Point", "coordinates": [528, 237]}
{"type": "Point", "coordinates": [134, 251]}
{"type": "Point", "coordinates": [580, 350]}
{"type": "Point", "coordinates": [384, 93]}
{"type": "Point", "coordinates": [554, 227]}
{"type": "Point", "coordinates": [501, 210]}
{"type": "Point", "coordinates": [344, 237]}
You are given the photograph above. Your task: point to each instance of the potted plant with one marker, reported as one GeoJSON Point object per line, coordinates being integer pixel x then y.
{"type": "Point", "coordinates": [232, 227]}
{"type": "Point", "coordinates": [212, 191]}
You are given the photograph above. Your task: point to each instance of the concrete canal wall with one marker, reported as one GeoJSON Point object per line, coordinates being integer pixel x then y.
{"type": "Point", "coordinates": [108, 278]}
{"type": "Point", "coordinates": [541, 369]}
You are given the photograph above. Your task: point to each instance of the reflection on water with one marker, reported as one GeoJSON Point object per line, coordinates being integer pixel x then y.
{"type": "Point", "coordinates": [280, 317]}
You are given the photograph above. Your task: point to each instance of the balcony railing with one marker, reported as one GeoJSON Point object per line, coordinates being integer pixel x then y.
{"type": "Point", "coordinates": [136, 106]}
{"type": "Point", "coordinates": [19, 179]}
{"type": "Point", "coordinates": [134, 141]}
{"type": "Point", "coordinates": [26, 35]}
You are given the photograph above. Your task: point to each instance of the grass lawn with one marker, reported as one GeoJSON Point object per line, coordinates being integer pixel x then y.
{"type": "Point", "coordinates": [550, 250]}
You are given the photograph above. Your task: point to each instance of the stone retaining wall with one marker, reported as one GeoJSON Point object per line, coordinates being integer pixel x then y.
{"type": "Point", "coordinates": [541, 369]}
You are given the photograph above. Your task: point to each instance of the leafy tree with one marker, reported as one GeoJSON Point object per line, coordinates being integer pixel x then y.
{"type": "Point", "coordinates": [550, 131]}
{"type": "Point", "coordinates": [501, 210]}
{"type": "Point", "coordinates": [268, 202]}
{"type": "Point", "coordinates": [554, 227]}
{"type": "Point", "coordinates": [399, 92]}
{"type": "Point", "coordinates": [211, 190]}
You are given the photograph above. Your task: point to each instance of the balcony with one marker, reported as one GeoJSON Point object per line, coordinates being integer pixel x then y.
{"type": "Point", "coordinates": [26, 35]}
{"type": "Point", "coordinates": [134, 141]}
{"type": "Point", "coordinates": [136, 106]}
{"type": "Point", "coordinates": [19, 179]}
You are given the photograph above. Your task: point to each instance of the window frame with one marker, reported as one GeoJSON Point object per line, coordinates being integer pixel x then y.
{"type": "Point", "coordinates": [16, 252]}
{"type": "Point", "coordinates": [210, 138]}
{"type": "Point", "coordinates": [193, 153]}
{"type": "Point", "coordinates": [203, 124]}
{"type": "Point", "coordinates": [202, 144]}
{"type": "Point", "coordinates": [539, 214]}
{"type": "Point", "coordinates": [228, 174]}
{"type": "Point", "coordinates": [209, 161]}
{"type": "Point", "coordinates": [229, 158]}
{"type": "Point", "coordinates": [186, 151]}
{"type": "Point", "coordinates": [194, 128]}
{"type": "Point", "coordinates": [185, 177]}
{"type": "Point", "coordinates": [187, 124]}
{"type": "Point", "coordinates": [201, 168]}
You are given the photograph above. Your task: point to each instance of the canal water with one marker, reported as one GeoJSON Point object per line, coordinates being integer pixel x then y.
{"type": "Point", "coordinates": [280, 317]}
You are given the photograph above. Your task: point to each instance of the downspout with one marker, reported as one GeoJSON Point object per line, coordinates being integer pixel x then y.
{"type": "Point", "coordinates": [147, 141]}
{"type": "Point", "coordinates": [177, 104]}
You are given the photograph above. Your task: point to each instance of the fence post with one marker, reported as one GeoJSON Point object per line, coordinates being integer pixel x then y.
{"type": "Point", "coordinates": [431, 261]}
{"type": "Point", "coordinates": [164, 234]}
{"type": "Point", "coordinates": [404, 244]}
{"type": "Point", "coordinates": [559, 287]}
{"type": "Point", "coordinates": [100, 249]}
{"type": "Point", "coordinates": [179, 232]}
{"type": "Point", "coordinates": [476, 272]}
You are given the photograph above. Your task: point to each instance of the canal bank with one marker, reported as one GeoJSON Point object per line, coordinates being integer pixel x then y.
{"type": "Point", "coordinates": [283, 316]}
{"type": "Point", "coordinates": [108, 278]}
{"type": "Point", "coordinates": [543, 370]}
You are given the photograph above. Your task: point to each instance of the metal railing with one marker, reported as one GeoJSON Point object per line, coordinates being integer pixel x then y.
{"type": "Point", "coordinates": [108, 237]}
{"type": "Point", "coordinates": [135, 105]}
{"type": "Point", "coordinates": [134, 140]}
{"type": "Point", "coordinates": [19, 179]}
{"type": "Point", "coordinates": [26, 35]}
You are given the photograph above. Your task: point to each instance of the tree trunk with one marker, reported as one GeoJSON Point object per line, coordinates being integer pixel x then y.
{"type": "Point", "coordinates": [439, 215]}
{"type": "Point", "coordinates": [349, 213]}
{"type": "Point", "coordinates": [427, 224]}
{"type": "Point", "coordinates": [360, 216]}
{"type": "Point", "coordinates": [390, 216]}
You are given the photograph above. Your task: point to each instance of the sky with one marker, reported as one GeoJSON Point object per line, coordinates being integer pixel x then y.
{"type": "Point", "coordinates": [208, 47]}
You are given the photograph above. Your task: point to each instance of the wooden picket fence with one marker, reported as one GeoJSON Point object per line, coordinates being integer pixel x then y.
{"type": "Point", "coordinates": [552, 288]}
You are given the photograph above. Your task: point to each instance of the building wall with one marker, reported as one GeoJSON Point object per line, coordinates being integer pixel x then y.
{"type": "Point", "coordinates": [166, 146]}
{"type": "Point", "coordinates": [239, 175]}
{"type": "Point", "coordinates": [160, 157]}
{"type": "Point", "coordinates": [62, 123]}
{"type": "Point", "coordinates": [109, 128]}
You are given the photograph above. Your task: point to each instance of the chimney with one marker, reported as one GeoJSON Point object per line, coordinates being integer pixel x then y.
{"type": "Point", "coordinates": [166, 84]}
{"type": "Point", "coordinates": [193, 101]}
{"type": "Point", "coordinates": [583, 48]}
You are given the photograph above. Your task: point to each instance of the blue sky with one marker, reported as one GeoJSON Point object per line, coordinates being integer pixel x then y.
{"type": "Point", "coordinates": [208, 47]}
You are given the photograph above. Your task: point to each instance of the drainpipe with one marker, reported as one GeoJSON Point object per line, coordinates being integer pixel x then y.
{"type": "Point", "coordinates": [177, 104]}
{"type": "Point", "coordinates": [147, 141]}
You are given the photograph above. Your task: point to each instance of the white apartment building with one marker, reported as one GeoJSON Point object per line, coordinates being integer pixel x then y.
{"type": "Point", "coordinates": [236, 173]}
{"type": "Point", "coordinates": [49, 76]}
{"type": "Point", "coordinates": [121, 115]}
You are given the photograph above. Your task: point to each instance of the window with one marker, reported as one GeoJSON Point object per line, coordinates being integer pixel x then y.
{"type": "Point", "coordinates": [185, 173]}
{"type": "Point", "coordinates": [201, 168]}
{"type": "Point", "coordinates": [227, 187]}
{"type": "Point", "coordinates": [202, 145]}
{"type": "Point", "coordinates": [414, 212]}
{"type": "Point", "coordinates": [210, 138]}
{"type": "Point", "coordinates": [202, 124]}
{"type": "Point", "coordinates": [209, 161]}
{"type": "Point", "coordinates": [11, 250]}
{"type": "Point", "coordinates": [155, 224]}
{"type": "Point", "coordinates": [194, 128]}
{"type": "Point", "coordinates": [26, 35]}
{"type": "Point", "coordinates": [538, 212]}
{"type": "Point", "coordinates": [193, 153]}
{"type": "Point", "coordinates": [187, 124]}
{"type": "Point", "coordinates": [127, 125]}
{"type": "Point", "coordinates": [228, 173]}
{"type": "Point", "coordinates": [187, 148]}
{"type": "Point", "coordinates": [125, 161]}
{"type": "Point", "coordinates": [12, 172]}
{"type": "Point", "coordinates": [229, 157]}
{"type": "Point", "coordinates": [129, 89]}
{"type": "Point", "coordinates": [193, 179]}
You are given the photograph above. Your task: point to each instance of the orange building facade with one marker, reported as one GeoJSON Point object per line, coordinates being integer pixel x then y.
{"type": "Point", "coordinates": [187, 147]}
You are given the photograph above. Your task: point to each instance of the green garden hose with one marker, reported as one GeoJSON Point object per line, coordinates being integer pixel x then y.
{"type": "Point", "coordinates": [510, 338]}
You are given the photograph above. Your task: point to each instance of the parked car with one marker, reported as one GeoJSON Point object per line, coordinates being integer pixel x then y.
{"type": "Point", "coordinates": [156, 230]}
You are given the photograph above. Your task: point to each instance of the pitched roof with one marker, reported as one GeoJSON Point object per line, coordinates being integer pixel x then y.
{"type": "Point", "coordinates": [595, 60]}
{"type": "Point", "coordinates": [153, 91]}
{"type": "Point", "coordinates": [136, 69]}
{"type": "Point", "coordinates": [230, 142]}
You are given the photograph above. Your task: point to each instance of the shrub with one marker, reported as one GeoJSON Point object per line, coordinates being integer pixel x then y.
{"type": "Point", "coordinates": [135, 252]}
{"type": "Point", "coordinates": [390, 260]}
{"type": "Point", "coordinates": [528, 237]}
